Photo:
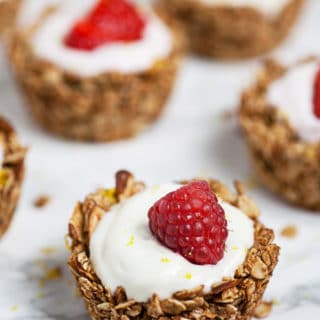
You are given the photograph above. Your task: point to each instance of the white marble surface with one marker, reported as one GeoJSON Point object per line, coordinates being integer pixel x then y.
{"type": "Point", "coordinates": [191, 139]}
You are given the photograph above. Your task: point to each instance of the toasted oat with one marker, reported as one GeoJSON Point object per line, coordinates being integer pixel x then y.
{"type": "Point", "coordinates": [41, 201]}
{"type": "Point", "coordinates": [263, 309]}
{"type": "Point", "coordinates": [289, 231]}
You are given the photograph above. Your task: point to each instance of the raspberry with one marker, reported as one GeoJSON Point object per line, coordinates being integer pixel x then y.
{"type": "Point", "coordinates": [191, 222]}
{"type": "Point", "coordinates": [110, 21]}
{"type": "Point", "coordinates": [316, 96]}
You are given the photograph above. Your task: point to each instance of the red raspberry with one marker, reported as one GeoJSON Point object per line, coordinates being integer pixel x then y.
{"type": "Point", "coordinates": [190, 221]}
{"type": "Point", "coordinates": [316, 96]}
{"type": "Point", "coordinates": [109, 21]}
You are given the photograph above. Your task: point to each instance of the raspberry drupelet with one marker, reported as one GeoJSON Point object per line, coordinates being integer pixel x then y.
{"type": "Point", "coordinates": [191, 221]}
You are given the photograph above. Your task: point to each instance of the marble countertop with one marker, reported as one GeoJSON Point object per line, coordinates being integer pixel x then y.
{"type": "Point", "coordinates": [193, 138]}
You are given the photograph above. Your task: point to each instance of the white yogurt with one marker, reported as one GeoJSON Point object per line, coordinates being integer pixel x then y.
{"type": "Point", "coordinates": [1, 154]}
{"type": "Point", "coordinates": [293, 94]}
{"type": "Point", "coordinates": [270, 8]}
{"type": "Point", "coordinates": [129, 57]}
{"type": "Point", "coordinates": [125, 253]}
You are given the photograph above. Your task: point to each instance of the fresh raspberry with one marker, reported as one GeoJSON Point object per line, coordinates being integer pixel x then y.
{"type": "Point", "coordinates": [190, 221]}
{"type": "Point", "coordinates": [316, 95]}
{"type": "Point", "coordinates": [110, 21]}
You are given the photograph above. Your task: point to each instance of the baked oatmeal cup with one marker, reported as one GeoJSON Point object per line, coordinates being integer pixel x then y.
{"type": "Point", "coordinates": [11, 173]}
{"type": "Point", "coordinates": [279, 116]}
{"type": "Point", "coordinates": [185, 250]}
{"type": "Point", "coordinates": [231, 29]}
{"type": "Point", "coordinates": [95, 70]}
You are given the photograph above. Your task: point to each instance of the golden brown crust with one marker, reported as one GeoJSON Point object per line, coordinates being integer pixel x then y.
{"type": "Point", "coordinates": [232, 299]}
{"type": "Point", "coordinates": [231, 33]}
{"type": "Point", "coordinates": [8, 13]}
{"type": "Point", "coordinates": [284, 163]}
{"type": "Point", "coordinates": [105, 107]}
{"type": "Point", "coordinates": [11, 174]}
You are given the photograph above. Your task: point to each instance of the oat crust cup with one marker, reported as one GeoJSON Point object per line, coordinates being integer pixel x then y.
{"type": "Point", "coordinates": [11, 174]}
{"type": "Point", "coordinates": [107, 106]}
{"type": "Point", "coordinates": [286, 164]}
{"type": "Point", "coordinates": [232, 298]}
{"type": "Point", "coordinates": [228, 32]}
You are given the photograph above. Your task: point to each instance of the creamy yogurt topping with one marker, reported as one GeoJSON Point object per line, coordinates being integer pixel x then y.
{"type": "Point", "coordinates": [268, 7]}
{"type": "Point", "coordinates": [1, 154]}
{"type": "Point", "coordinates": [128, 57]}
{"type": "Point", "coordinates": [125, 253]}
{"type": "Point", "coordinates": [293, 94]}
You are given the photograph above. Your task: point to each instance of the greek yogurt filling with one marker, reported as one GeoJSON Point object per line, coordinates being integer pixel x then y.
{"type": "Point", "coordinates": [270, 8]}
{"type": "Point", "coordinates": [1, 154]}
{"type": "Point", "coordinates": [293, 94]}
{"type": "Point", "coordinates": [125, 253]}
{"type": "Point", "coordinates": [129, 57]}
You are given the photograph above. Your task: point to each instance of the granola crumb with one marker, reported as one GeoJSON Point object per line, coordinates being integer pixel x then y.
{"type": "Point", "coordinates": [48, 250]}
{"type": "Point", "coordinates": [263, 309]}
{"type": "Point", "coordinates": [41, 201]}
{"type": "Point", "coordinates": [289, 231]}
{"type": "Point", "coordinates": [49, 275]}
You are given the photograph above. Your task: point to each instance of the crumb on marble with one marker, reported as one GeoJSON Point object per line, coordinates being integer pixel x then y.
{"type": "Point", "coordinates": [48, 250]}
{"type": "Point", "coordinates": [289, 231]}
{"type": "Point", "coordinates": [41, 201]}
{"type": "Point", "coordinates": [51, 274]}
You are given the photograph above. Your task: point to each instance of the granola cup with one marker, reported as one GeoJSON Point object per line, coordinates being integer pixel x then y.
{"type": "Point", "coordinates": [284, 163]}
{"type": "Point", "coordinates": [8, 13]}
{"type": "Point", "coordinates": [231, 33]}
{"type": "Point", "coordinates": [233, 298]}
{"type": "Point", "coordinates": [11, 174]}
{"type": "Point", "coordinates": [105, 107]}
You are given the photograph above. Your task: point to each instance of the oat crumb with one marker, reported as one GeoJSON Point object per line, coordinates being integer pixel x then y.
{"type": "Point", "coordinates": [52, 274]}
{"type": "Point", "coordinates": [41, 201]}
{"type": "Point", "coordinates": [48, 250]}
{"type": "Point", "coordinates": [289, 231]}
